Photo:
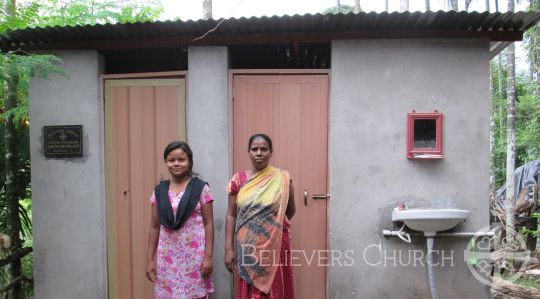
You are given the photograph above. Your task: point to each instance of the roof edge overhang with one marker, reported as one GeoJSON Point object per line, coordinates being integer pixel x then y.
{"type": "Point", "coordinates": [496, 38]}
{"type": "Point", "coordinates": [497, 46]}
{"type": "Point", "coordinates": [495, 27]}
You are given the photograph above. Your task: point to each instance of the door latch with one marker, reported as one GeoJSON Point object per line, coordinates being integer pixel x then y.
{"type": "Point", "coordinates": [320, 196]}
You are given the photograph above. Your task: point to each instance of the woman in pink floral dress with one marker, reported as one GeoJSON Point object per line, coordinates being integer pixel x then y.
{"type": "Point", "coordinates": [181, 235]}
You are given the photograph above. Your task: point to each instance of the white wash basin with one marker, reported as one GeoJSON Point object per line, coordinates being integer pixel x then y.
{"type": "Point", "coordinates": [430, 221]}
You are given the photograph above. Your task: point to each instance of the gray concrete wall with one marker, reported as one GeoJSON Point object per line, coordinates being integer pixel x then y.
{"type": "Point", "coordinates": [208, 135]}
{"type": "Point", "coordinates": [68, 194]}
{"type": "Point", "coordinates": [374, 84]}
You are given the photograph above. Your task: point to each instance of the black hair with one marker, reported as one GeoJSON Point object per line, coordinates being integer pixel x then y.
{"type": "Point", "coordinates": [183, 146]}
{"type": "Point", "coordinates": [263, 136]}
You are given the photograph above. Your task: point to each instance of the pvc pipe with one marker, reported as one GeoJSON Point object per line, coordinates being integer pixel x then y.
{"type": "Point", "coordinates": [490, 234]}
{"type": "Point", "coordinates": [429, 239]}
{"type": "Point", "coordinates": [467, 234]}
{"type": "Point", "coordinates": [405, 236]}
{"type": "Point", "coordinates": [431, 276]}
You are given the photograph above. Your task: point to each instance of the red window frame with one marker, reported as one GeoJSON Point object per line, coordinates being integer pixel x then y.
{"type": "Point", "coordinates": [425, 153]}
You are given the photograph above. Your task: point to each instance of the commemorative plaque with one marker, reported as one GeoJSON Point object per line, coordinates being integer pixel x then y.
{"type": "Point", "coordinates": [63, 141]}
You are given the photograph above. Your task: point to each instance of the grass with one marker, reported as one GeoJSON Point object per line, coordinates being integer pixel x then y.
{"type": "Point", "coordinates": [529, 282]}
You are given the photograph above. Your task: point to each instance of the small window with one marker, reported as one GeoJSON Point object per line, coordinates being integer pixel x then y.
{"type": "Point", "coordinates": [424, 135]}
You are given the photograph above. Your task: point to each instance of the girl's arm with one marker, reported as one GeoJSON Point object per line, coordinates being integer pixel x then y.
{"type": "Point", "coordinates": [153, 237]}
{"type": "Point", "coordinates": [230, 223]}
{"type": "Point", "coordinates": [291, 207]}
{"type": "Point", "coordinates": [208, 219]}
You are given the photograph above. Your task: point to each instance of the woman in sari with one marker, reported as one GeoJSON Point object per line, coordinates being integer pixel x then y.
{"type": "Point", "coordinates": [257, 242]}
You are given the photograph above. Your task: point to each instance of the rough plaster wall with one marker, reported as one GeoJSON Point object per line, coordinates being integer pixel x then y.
{"type": "Point", "coordinates": [374, 84]}
{"type": "Point", "coordinates": [208, 135]}
{"type": "Point", "coordinates": [68, 194]}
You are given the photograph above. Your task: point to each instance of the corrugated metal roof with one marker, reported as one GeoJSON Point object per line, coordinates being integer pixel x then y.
{"type": "Point", "coordinates": [299, 28]}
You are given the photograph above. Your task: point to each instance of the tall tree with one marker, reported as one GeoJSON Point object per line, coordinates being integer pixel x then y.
{"type": "Point", "coordinates": [16, 69]}
{"type": "Point", "coordinates": [357, 7]}
{"type": "Point", "coordinates": [404, 5]}
{"type": "Point", "coordinates": [338, 6]}
{"type": "Point", "coordinates": [538, 53]}
{"type": "Point", "coordinates": [11, 157]}
{"type": "Point", "coordinates": [492, 144]}
{"type": "Point", "coordinates": [511, 139]}
{"type": "Point", "coordinates": [12, 201]}
{"type": "Point", "coordinates": [207, 9]}
{"type": "Point", "coordinates": [454, 5]}
{"type": "Point", "coordinates": [538, 76]}
{"type": "Point", "coordinates": [500, 76]}
{"type": "Point", "coordinates": [467, 4]}
{"type": "Point", "coordinates": [386, 5]}
{"type": "Point", "coordinates": [427, 5]}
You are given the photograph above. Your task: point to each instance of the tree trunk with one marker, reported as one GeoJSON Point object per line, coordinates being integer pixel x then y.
{"type": "Point", "coordinates": [338, 6]}
{"type": "Point", "coordinates": [510, 148]}
{"type": "Point", "coordinates": [487, 5]}
{"type": "Point", "coordinates": [497, 5]}
{"type": "Point", "coordinates": [467, 4]}
{"type": "Point", "coordinates": [10, 142]}
{"type": "Point", "coordinates": [454, 5]}
{"type": "Point", "coordinates": [386, 5]}
{"type": "Point", "coordinates": [427, 6]}
{"type": "Point", "coordinates": [492, 128]}
{"type": "Point", "coordinates": [537, 52]}
{"type": "Point", "coordinates": [538, 70]}
{"type": "Point", "coordinates": [534, 43]}
{"type": "Point", "coordinates": [404, 5]}
{"type": "Point", "coordinates": [12, 200]}
{"type": "Point", "coordinates": [357, 7]}
{"type": "Point", "coordinates": [501, 90]}
{"type": "Point", "coordinates": [207, 9]}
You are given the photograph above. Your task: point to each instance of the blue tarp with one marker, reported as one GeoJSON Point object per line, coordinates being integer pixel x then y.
{"type": "Point", "coordinates": [525, 176]}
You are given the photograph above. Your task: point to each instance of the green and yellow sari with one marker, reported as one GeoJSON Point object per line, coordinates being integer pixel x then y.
{"type": "Point", "coordinates": [261, 205]}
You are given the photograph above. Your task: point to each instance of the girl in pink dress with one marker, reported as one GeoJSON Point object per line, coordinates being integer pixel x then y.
{"type": "Point", "coordinates": [181, 236]}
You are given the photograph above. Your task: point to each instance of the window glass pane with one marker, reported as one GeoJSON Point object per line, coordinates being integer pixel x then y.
{"type": "Point", "coordinates": [425, 133]}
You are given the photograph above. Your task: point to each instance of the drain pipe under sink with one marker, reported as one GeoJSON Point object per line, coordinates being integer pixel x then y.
{"type": "Point", "coordinates": [430, 241]}
{"type": "Point", "coordinates": [431, 276]}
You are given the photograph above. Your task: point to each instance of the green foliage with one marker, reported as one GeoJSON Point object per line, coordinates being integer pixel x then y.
{"type": "Point", "coordinates": [50, 13]}
{"type": "Point", "coordinates": [343, 9]}
{"type": "Point", "coordinates": [530, 40]}
{"type": "Point", "coordinates": [528, 129]}
{"type": "Point", "coordinates": [81, 12]}
{"type": "Point", "coordinates": [25, 204]}
{"type": "Point", "coordinates": [534, 232]}
{"type": "Point", "coordinates": [524, 281]}
{"type": "Point", "coordinates": [24, 15]}
{"type": "Point", "coordinates": [495, 77]}
{"type": "Point", "coordinates": [23, 191]}
{"type": "Point", "coordinates": [527, 123]}
{"type": "Point", "coordinates": [529, 282]}
{"type": "Point", "coordinates": [25, 66]}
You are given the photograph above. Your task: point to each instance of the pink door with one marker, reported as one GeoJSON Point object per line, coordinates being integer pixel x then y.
{"type": "Point", "coordinates": [293, 111]}
{"type": "Point", "coordinates": [141, 117]}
